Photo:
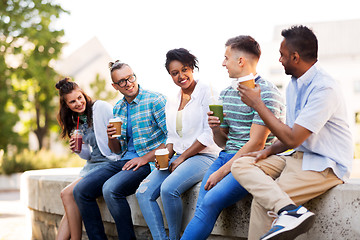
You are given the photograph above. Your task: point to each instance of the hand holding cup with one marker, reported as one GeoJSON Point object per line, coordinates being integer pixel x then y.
{"type": "Point", "coordinates": [162, 158]}
{"type": "Point", "coordinates": [114, 128]}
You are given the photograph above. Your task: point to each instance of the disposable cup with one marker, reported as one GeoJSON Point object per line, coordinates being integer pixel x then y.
{"type": "Point", "coordinates": [78, 140]}
{"type": "Point", "coordinates": [117, 122]}
{"type": "Point", "coordinates": [162, 158]}
{"type": "Point", "coordinates": [216, 106]}
{"type": "Point", "coordinates": [247, 80]}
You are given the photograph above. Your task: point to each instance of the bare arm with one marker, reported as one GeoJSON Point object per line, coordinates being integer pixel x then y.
{"type": "Point", "coordinates": [258, 136]}
{"type": "Point", "coordinates": [195, 148]}
{"type": "Point", "coordinates": [290, 137]}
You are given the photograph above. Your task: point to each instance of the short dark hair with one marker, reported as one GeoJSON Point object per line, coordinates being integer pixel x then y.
{"type": "Point", "coordinates": [302, 40]}
{"type": "Point", "coordinates": [182, 55]}
{"type": "Point", "coordinates": [246, 44]}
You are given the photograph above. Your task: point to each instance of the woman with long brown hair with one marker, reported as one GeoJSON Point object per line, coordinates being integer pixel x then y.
{"type": "Point", "coordinates": [78, 111]}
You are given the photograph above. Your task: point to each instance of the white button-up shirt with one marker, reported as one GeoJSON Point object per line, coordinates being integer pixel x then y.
{"type": "Point", "coordinates": [315, 102]}
{"type": "Point", "coordinates": [194, 121]}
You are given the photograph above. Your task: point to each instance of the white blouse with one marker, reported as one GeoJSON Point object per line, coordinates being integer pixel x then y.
{"type": "Point", "coordinates": [194, 121]}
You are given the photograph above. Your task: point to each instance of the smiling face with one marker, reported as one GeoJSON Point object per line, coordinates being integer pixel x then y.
{"type": "Point", "coordinates": [131, 90]}
{"type": "Point", "coordinates": [181, 75]}
{"type": "Point", "coordinates": [75, 100]}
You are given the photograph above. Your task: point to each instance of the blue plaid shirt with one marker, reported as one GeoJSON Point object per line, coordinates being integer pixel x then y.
{"type": "Point", "coordinates": [148, 121]}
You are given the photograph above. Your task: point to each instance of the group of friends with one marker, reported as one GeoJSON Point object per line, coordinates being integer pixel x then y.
{"type": "Point", "coordinates": [282, 165]}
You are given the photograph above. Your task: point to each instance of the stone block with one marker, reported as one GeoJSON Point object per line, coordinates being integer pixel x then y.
{"type": "Point", "coordinates": [337, 211]}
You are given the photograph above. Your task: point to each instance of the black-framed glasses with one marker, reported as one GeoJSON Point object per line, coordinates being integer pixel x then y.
{"type": "Point", "coordinates": [123, 82]}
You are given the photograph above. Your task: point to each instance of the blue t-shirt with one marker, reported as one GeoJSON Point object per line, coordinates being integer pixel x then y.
{"type": "Point", "coordinates": [131, 152]}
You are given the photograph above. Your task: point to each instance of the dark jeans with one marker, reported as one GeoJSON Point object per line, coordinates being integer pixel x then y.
{"type": "Point", "coordinates": [114, 184]}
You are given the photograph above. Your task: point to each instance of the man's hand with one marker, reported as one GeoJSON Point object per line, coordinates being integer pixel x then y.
{"type": "Point", "coordinates": [214, 122]}
{"type": "Point", "coordinates": [213, 179]}
{"type": "Point", "coordinates": [250, 96]}
{"type": "Point", "coordinates": [135, 162]}
{"type": "Point", "coordinates": [258, 155]}
{"type": "Point", "coordinates": [111, 131]}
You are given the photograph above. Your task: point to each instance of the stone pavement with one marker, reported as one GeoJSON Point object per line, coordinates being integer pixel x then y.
{"type": "Point", "coordinates": [13, 224]}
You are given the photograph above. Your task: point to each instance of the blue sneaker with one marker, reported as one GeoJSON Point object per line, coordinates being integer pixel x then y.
{"type": "Point", "coordinates": [290, 224]}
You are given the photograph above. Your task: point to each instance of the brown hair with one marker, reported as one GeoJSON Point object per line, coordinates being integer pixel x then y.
{"type": "Point", "coordinates": [67, 119]}
{"type": "Point", "coordinates": [245, 43]}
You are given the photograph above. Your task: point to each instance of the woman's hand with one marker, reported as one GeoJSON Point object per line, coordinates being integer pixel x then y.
{"type": "Point", "coordinates": [72, 143]}
{"type": "Point", "coordinates": [176, 163]}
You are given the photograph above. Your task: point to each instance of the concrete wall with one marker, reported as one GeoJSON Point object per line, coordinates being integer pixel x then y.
{"type": "Point", "coordinates": [337, 211]}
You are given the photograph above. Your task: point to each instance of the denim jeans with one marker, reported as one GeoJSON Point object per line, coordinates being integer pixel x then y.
{"type": "Point", "coordinates": [170, 186]}
{"type": "Point", "coordinates": [210, 203]}
{"type": "Point", "coordinates": [114, 184]}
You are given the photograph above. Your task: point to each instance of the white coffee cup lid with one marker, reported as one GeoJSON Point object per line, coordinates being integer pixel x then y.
{"type": "Point", "coordinates": [236, 81]}
{"type": "Point", "coordinates": [161, 151]}
{"type": "Point", "coordinates": [117, 119]}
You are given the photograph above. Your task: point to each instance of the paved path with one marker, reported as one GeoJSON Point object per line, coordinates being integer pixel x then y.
{"type": "Point", "coordinates": [13, 224]}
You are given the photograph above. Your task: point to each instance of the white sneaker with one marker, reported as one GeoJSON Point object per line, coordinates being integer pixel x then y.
{"type": "Point", "coordinates": [290, 224]}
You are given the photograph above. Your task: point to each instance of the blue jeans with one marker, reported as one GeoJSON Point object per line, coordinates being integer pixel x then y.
{"type": "Point", "coordinates": [114, 184]}
{"type": "Point", "coordinates": [210, 203]}
{"type": "Point", "coordinates": [170, 187]}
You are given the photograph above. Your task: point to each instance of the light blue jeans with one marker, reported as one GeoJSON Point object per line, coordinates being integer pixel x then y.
{"type": "Point", "coordinates": [210, 203]}
{"type": "Point", "coordinates": [170, 187]}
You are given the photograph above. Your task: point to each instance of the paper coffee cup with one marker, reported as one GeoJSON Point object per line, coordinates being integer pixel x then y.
{"type": "Point", "coordinates": [162, 158]}
{"type": "Point", "coordinates": [117, 122]}
{"type": "Point", "coordinates": [248, 80]}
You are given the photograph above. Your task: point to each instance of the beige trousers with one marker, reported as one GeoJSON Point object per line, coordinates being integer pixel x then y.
{"type": "Point", "coordinates": [276, 182]}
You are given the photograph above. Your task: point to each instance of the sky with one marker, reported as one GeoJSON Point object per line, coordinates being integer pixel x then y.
{"type": "Point", "coordinates": [140, 32]}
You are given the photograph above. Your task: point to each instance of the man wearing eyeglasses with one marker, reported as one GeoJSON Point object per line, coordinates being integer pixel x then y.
{"type": "Point", "coordinates": [143, 130]}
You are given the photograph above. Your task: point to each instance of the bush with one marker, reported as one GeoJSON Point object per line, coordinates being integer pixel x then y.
{"type": "Point", "coordinates": [34, 160]}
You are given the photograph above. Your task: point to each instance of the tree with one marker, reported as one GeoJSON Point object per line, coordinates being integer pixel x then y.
{"type": "Point", "coordinates": [30, 43]}
{"type": "Point", "coordinates": [99, 88]}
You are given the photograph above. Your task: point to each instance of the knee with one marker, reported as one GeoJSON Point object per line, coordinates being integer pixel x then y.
{"type": "Point", "coordinates": [107, 190]}
{"type": "Point", "coordinates": [241, 164]}
{"type": "Point", "coordinates": [168, 191]}
{"type": "Point", "coordinates": [66, 194]}
{"type": "Point", "coordinates": [142, 192]}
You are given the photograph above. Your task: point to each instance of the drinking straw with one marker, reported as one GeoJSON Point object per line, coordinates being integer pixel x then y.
{"type": "Point", "coordinates": [77, 126]}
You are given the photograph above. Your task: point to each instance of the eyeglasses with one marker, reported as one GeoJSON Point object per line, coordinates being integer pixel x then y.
{"type": "Point", "coordinates": [123, 82]}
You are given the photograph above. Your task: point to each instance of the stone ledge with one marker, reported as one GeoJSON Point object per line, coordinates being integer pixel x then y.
{"type": "Point", "coordinates": [337, 211]}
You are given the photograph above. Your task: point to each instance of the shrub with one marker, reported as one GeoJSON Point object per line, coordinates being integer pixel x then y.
{"type": "Point", "coordinates": [34, 160]}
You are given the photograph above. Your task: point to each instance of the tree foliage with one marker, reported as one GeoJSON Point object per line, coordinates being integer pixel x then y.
{"type": "Point", "coordinates": [30, 43]}
{"type": "Point", "coordinates": [100, 92]}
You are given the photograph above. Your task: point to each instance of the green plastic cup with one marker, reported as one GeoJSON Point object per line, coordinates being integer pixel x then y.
{"type": "Point", "coordinates": [218, 111]}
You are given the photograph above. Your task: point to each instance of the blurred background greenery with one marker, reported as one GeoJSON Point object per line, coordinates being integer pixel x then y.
{"type": "Point", "coordinates": [30, 44]}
